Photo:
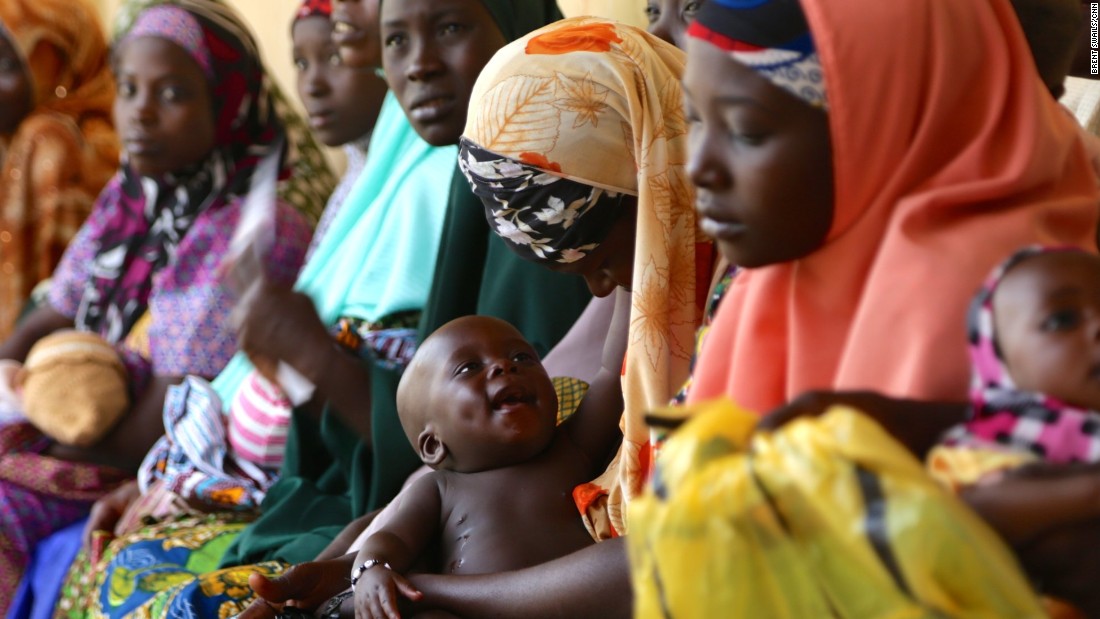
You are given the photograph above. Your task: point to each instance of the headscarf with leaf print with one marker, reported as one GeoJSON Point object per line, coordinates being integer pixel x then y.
{"type": "Point", "coordinates": [599, 104]}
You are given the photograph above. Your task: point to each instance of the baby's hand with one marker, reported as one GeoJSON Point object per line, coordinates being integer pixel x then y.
{"type": "Point", "coordinates": [376, 593]}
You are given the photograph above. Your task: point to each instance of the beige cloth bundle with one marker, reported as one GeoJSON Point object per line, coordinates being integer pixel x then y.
{"type": "Point", "coordinates": [74, 387]}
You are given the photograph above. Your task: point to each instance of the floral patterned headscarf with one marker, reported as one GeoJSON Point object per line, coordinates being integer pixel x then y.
{"type": "Point", "coordinates": [563, 122]}
{"type": "Point", "coordinates": [542, 217]}
{"type": "Point", "coordinates": [1004, 415]}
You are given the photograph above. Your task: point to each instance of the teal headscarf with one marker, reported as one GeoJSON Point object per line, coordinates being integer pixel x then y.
{"type": "Point", "coordinates": [366, 266]}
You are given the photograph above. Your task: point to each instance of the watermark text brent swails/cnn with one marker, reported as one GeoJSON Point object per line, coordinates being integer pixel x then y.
{"type": "Point", "coordinates": [1094, 38]}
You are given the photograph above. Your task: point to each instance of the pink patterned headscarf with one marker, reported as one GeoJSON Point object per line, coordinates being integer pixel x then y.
{"type": "Point", "coordinates": [178, 26]}
{"type": "Point", "coordinates": [1004, 415]}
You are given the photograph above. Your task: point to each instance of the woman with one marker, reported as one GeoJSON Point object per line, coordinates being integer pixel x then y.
{"type": "Point", "coordinates": [906, 221]}
{"type": "Point", "coordinates": [919, 233]}
{"type": "Point", "coordinates": [472, 274]}
{"type": "Point", "coordinates": [669, 19]}
{"type": "Point", "coordinates": [142, 272]}
{"type": "Point", "coordinates": [570, 212]}
{"type": "Point", "coordinates": [58, 147]}
{"type": "Point", "coordinates": [364, 277]}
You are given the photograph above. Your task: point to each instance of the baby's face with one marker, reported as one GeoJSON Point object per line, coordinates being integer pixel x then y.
{"type": "Point", "coordinates": [487, 397]}
{"type": "Point", "coordinates": [1047, 320]}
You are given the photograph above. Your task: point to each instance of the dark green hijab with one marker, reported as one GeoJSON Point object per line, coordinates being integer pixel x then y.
{"type": "Point", "coordinates": [518, 17]}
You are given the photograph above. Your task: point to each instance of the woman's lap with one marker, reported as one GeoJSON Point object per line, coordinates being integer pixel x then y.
{"type": "Point", "coordinates": [38, 495]}
{"type": "Point", "coordinates": [49, 567]}
{"type": "Point", "coordinates": [161, 569]}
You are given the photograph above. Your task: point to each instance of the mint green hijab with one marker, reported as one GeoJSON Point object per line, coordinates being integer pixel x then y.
{"type": "Point", "coordinates": [378, 255]}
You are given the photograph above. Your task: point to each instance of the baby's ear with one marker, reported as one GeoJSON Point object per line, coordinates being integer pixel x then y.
{"type": "Point", "coordinates": [432, 450]}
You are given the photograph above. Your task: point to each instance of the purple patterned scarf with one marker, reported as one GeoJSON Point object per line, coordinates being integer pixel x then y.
{"type": "Point", "coordinates": [157, 213]}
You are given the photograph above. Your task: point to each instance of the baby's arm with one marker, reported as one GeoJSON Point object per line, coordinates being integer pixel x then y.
{"type": "Point", "coordinates": [389, 553]}
{"type": "Point", "coordinates": [1036, 499]}
{"type": "Point", "coordinates": [594, 428]}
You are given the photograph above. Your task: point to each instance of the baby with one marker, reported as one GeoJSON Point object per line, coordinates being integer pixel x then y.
{"type": "Point", "coordinates": [481, 411]}
{"type": "Point", "coordinates": [1034, 331]}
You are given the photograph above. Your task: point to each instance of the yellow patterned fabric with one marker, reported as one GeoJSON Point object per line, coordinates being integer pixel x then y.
{"type": "Point", "coordinates": [63, 152]}
{"type": "Point", "coordinates": [599, 103]}
{"type": "Point", "coordinates": [825, 517]}
{"type": "Point", "coordinates": [957, 467]}
{"type": "Point", "coordinates": [570, 393]}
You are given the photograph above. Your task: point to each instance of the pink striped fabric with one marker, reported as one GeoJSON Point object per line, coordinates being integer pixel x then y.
{"type": "Point", "coordinates": [258, 420]}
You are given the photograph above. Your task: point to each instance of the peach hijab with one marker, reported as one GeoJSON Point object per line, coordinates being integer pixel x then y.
{"type": "Point", "coordinates": [948, 155]}
{"type": "Point", "coordinates": [599, 103]}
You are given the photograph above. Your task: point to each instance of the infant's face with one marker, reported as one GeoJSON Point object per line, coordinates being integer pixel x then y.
{"type": "Point", "coordinates": [490, 400]}
{"type": "Point", "coordinates": [1047, 320]}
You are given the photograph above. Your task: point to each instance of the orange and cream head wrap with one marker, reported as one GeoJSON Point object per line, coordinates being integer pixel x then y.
{"type": "Point", "coordinates": [65, 54]}
{"type": "Point", "coordinates": [60, 148]}
{"type": "Point", "coordinates": [565, 122]}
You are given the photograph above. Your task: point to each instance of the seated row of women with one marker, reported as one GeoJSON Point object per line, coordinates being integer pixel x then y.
{"type": "Point", "coordinates": [831, 179]}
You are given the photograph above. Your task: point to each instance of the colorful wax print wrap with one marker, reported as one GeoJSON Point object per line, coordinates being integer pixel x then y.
{"type": "Point", "coordinates": [306, 180]}
{"type": "Point", "coordinates": [769, 36]}
{"type": "Point", "coordinates": [168, 569]}
{"type": "Point", "coordinates": [598, 104]}
{"type": "Point", "coordinates": [1006, 417]}
{"type": "Point", "coordinates": [63, 152]}
{"type": "Point", "coordinates": [938, 174]}
{"type": "Point", "coordinates": [314, 8]}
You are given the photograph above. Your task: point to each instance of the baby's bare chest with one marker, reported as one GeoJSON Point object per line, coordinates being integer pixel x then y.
{"type": "Point", "coordinates": [500, 521]}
